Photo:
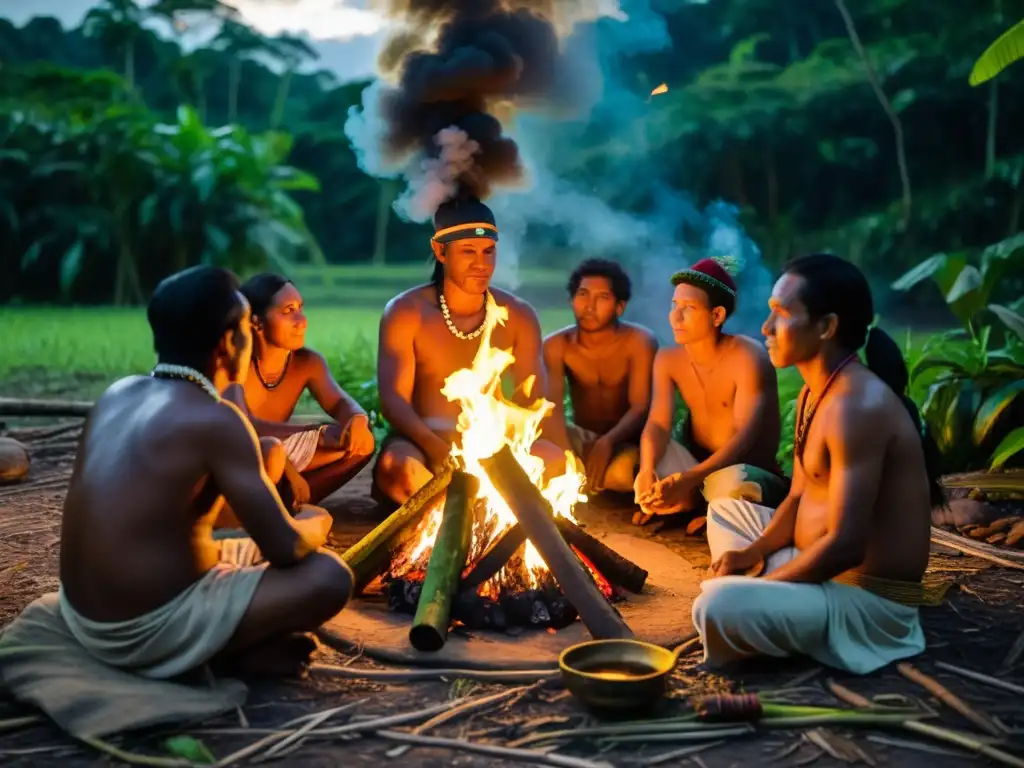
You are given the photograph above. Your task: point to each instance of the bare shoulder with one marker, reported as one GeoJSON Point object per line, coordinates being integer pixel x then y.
{"type": "Point", "coordinates": [865, 405]}
{"type": "Point", "coordinates": [519, 310]}
{"type": "Point", "coordinates": [639, 337]}
{"type": "Point", "coordinates": [406, 307]}
{"type": "Point", "coordinates": [744, 349]}
{"type": "Point", "coordinates": [557, 341]}
{"type": "Point", "coordinates": [309, 360]}
{"type": "Point", "coordinates": [667, 359]}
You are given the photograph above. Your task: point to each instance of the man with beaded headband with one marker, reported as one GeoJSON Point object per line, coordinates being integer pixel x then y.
{"type": "Point", "coordinates": [429, 332]}
{"type": "Point", "coordinates": [729, 388]}
{"type": "Point", "coordinates": [844, 554]}
{"type": "Point", "coordinates": [144, 586]}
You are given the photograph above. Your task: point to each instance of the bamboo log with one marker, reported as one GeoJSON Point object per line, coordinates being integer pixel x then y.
{"type": "Point", "coordinates": [494, 559]}
{"type": "Point", "coordinates": [535, 516]}
{"type": "Point", "coordinates": [447, 558]}
{"type": "Point", "coordinates": [369, 558]}
{"type": "Point", "coordinates": [613, 566]}
{"type": "Point", "coordinates": [14, 406]}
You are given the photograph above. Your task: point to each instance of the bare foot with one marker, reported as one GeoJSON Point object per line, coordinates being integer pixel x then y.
{"type": "Point", "coordinates": [282, 657]}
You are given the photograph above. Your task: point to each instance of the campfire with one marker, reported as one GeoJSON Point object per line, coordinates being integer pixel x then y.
{"type": "Point", "coordinates": [490, 542]}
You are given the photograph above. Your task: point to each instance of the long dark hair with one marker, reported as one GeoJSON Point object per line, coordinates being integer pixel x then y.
{"type": "Point", "coordinates": [261, 289]}
{"type": "Point", "coordinates": [835, 286]}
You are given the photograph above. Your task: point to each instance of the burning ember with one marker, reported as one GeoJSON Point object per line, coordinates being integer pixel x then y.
{"type": "Point", "coordinates": [487, 423]}
{"type": "Point", "coordinates": [465, 555]}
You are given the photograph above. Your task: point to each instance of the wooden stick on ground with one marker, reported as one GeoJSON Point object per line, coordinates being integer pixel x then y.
{"type": "Point", "coordinates": [493, 750]}
{"type": "Point", "coordinates": [948, 698]}
{"type": "Point", "coordinates": [951, 737]}
{"type": "Point", "coordinates": [535, 516]}
{"type": "Point", "coordinates": [970, 674]}
{"type": "Point", "coordinates": [997, 555]}
{"type": "Point", "coordinates": [12, 406]}
{"type": "Point", "coordinates": [473, 705]}
{"type": "Point", "coordinates": [407, 675]}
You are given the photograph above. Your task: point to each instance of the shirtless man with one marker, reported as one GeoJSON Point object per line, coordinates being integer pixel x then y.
{"type": "Point", "coordinates": [607, 363]}
{"type": "Point", "coordinates": [321, 458]}
{"type": "Point", "coordinates": [845, 552]}
{"type": "Point", "coordinates": [429, 332]}
{"type": "Point", "coordinates": [142, 585]}
{"type": "Point", "coordinates": [731, 392]}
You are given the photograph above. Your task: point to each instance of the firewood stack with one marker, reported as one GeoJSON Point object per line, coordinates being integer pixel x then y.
{"type": "Point", "coordinates": [585, 575]}
{"type": "Point", "coordinates": [1005, 532]}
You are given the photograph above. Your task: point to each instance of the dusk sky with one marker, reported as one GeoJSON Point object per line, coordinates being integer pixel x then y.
{"type": "Point", "coordinates": [343, 32]}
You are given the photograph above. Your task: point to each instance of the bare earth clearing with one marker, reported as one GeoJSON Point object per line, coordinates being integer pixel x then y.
{"type": "Point", "coordinates": [976, 628]}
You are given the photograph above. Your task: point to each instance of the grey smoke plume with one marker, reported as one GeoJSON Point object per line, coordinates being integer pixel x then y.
{"type": "Point", "coordinates": [651, 228]}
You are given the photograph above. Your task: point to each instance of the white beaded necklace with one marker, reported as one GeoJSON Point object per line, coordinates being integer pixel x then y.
{"type": "Point", "coordinates": [171, 371]}
{"type": "Point", "coordinates": [453, 328]}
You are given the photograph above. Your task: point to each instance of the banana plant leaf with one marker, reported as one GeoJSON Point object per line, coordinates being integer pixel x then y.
{"type": "Point", "coordinates": [1012, 444]}
{"type": "Point", "coordinates": [993, 407]}
{"type": "Point", "coordinates": [1007, 48]}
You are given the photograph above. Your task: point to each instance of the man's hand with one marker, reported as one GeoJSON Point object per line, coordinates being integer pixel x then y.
{"type": "Point", "coordinates": [742, 562]}
{"type": "Point", "coordinates": [294, 486]}
{"type": "Point", "coordinates": [674, 494]}
{"type": "Point", "coordinates": [598, 458]}
{"type": "Point", "coordinates": [645, 481]}
{"type": "Point", "coordinates": [359, 438]}
{"type": "Point", "coordinates": [438, 453]}
{"type": "Point", "coordinates": [332, 437]}
{"type": "Point", "coordinates": [314, 524]}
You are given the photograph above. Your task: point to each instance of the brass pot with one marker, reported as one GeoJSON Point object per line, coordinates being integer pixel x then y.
{"type": "Point", "coordinates": [619, 676]}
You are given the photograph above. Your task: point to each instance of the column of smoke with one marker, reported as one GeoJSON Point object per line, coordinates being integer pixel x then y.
{"type": "Point", "coordinates": [441, 117]}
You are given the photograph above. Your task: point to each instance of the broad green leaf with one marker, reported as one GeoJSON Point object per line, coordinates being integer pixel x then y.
{"type": "Point", "coordinates": [1007, 48]}
{"type": "Point", "coordinates": [1011, 319]}
{"type": "Point", "coordinates": [147, 209]}
{"type": "Point", "coordinates": [926, 269]}
{"type": "Point", "coordinates": [903, 99]}
{"type": "Point", "coordinates": [993, 407]}
{"type": "Point", "coordinates": [1011, 445]}
{"type": "Point", "coordinates": [189, 748]}
{"type": "Point", "coordinates": [32, 254]}
{"type": "Point", "coordinates": [204, 178]}
{"type": "Point", "coordinates": [70, 267]}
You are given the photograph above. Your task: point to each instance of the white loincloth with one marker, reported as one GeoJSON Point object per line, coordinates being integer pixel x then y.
{"type": "Point", "coordinates": [842, 626]}
{"type": "Point", "coordinates": [301, 446]}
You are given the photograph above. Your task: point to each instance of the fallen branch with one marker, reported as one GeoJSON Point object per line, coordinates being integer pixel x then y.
{"type": "Point", "coordinates": [492, 750]}
{"type": "Point", "coordinates": [998, 555]}
{"type": "Point", "coordinates": [962, 740]}
{"type": "Point", "coordinates": [970, 674]}
{"type": "Point", "coordinates": [474, 705]}
{"type": "Point", "coordinates": [950, 699]}
{"type": "Point", "coordinates": [18, 722]}
{"type": "Point", "coordinates": [407, 675]}
{"type": "Point", "coordinates": [283, 737]}
{"type": "Point", "coordinates": [12, 406]}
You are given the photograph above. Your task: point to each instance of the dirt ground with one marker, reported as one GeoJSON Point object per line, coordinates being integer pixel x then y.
{"type": "Point", "coordinates": [975, 628]}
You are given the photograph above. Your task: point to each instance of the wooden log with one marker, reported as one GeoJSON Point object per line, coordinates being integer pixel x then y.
{"type": "Point", "coordinates": [614, 567]}
{"type": "Point", "coordinates": [13, 406]}
{"type": "Point", "coordinates": [371, 556]}
{"type": "Point", "coordinates": [429, 629]}
{"type": "Point", "coordinates": [494, 559]}
{"type": "Point", "coordinates": [535, 516]}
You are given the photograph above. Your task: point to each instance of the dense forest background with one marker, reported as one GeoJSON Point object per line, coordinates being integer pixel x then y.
{"type": "Point", "coordinates": [123, 157]}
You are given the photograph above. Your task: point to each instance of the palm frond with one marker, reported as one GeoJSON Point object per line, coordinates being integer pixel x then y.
{"type": "Point", "coordinates": [1007, 48]}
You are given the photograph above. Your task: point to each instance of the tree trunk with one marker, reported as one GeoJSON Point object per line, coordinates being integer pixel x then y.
{"type": "Point", "coordinates": [380, 242]}
{"type": "Point", "coordinates": [129, 64]}
{"type": "Point", "coordinates": [282, 96]}
{"type": "Point", "coordinates": [993, 120]}
{"type": "Point", "coordinates": [897, 126]}
{"type": "Point", "coordinates": [234, 83]}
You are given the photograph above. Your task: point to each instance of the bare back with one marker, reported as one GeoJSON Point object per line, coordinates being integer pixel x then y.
{"type": "Point", "coordinates": [599, 378]}
{"type": "Point", "coordinates": [710, 396]}
{"type": "Point", "coordinates": [137, 521]}
{"type": "Point", "coordinates": [863, 461]}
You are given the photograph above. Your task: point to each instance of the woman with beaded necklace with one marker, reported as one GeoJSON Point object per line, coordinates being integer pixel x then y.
{"type": "Point", "coordinates": [328, 455]}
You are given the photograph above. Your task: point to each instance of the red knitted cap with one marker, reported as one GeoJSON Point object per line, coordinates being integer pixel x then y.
{"type": "Point", "coordinates": [707, 272]}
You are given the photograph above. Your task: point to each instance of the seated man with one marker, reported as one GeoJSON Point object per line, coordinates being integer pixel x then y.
{"type": "Point", "coordinates": [731, 392]}
{"type": "Point", "coordinates": [608, 366]}
{"type": "Point", "coordinates": [429, 332]}
{"type": "Point", "coordinates": [282, 368]}
{"type": "Point", "coordinates": [845, 552]}
{"type": "Point", "coordinates": [142, 584]}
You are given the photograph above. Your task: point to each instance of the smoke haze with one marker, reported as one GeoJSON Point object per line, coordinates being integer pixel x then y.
{"type": "Point", "coordinates": [506, 92]}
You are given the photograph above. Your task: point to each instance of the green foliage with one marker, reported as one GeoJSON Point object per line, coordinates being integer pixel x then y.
{"type": "Point", "coordinates": [90, 192]}
{"type": "Point", "coordinates": [969, 389]}
{"type": "Point", "coordinates": [191, 749]}
{"type": "Point", "coordinates": [1007, 48]}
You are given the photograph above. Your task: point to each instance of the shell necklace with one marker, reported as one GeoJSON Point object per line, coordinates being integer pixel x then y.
{"type": "Point", "coordinates": [280, 378]}
{"type": "Point", "coordinates": [806, 416]}
{"type": "Point", "coordinates": [183, 372]}
{"type": "Point", "coordinates": [453, 328]}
